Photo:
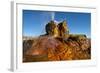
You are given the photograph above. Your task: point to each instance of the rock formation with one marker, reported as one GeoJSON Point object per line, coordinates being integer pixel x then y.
{"type": "Point", "coordinates": [63, 29]}
{"type": "Point", "coordinates": [57, 30]}
{"type": "Point", "coordinates": [51, 29]}
{"type": "Point", "coordinates": [58, 44]}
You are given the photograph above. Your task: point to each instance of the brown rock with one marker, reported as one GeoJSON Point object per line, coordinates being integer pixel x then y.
{"type": "Point", "coordinates": [63, 29]}
{"type": "Point", "coordinates": [51, 29]}
{"type": "Point", "coordinates": [57, 45]}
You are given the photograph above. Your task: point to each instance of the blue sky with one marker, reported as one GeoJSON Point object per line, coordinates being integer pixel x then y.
{"type": "Point", "coordinates": [34, 22]}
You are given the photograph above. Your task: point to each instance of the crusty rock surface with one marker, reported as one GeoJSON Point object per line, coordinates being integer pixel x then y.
{"type": "Point", "coordinates": [57, 45]}
{"type": "Point", "coordinates": [48, 48]}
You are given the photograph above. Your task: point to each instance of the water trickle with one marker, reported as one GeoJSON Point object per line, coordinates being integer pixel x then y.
{"type": "Point", "coordinates": [52, 15]}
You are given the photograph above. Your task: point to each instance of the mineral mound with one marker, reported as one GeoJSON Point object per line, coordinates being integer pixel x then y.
{"type": "Point", "coordinates": [56, 45]}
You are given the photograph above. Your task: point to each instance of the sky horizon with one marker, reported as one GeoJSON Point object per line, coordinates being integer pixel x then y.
{"type": "Point", "coordinates": [34, 22]}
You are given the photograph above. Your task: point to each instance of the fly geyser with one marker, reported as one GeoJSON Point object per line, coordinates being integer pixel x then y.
{"type": "Point", "coordinates": [57, 44]}
{"type": "Point", "coordinates": [57, 30]}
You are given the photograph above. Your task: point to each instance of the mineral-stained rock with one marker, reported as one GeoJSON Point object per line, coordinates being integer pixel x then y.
{"type": "Point", "coordinates": [27, 44]}
{"type": "Point", "coordinates": [51, 29]}
{"type": "Point", "coordinates": [63, 29]}
{"type": "Point", "coordinates": [82, 40]}
{"type": "Point", "coordinates": [57, 44]}
{"type": "Point", "coordinates": [49, 48]}
{"type": "Point", "coordinates": [60, 30]}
